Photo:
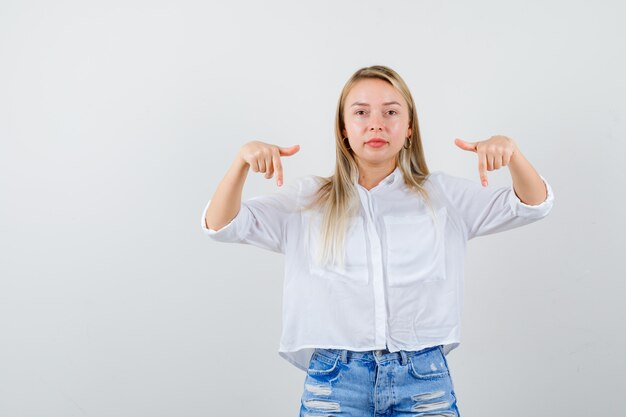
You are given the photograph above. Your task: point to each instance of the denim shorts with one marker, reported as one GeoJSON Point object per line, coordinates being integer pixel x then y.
{"type": "Point", "coordinates": [342, 383]}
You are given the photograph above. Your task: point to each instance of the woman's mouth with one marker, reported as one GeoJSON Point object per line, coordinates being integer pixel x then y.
{"type": "Point", "coordinates": [376, 143]}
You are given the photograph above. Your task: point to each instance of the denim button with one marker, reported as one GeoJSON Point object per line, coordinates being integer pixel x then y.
{"type": "Point", "coordinates": [378, 352]}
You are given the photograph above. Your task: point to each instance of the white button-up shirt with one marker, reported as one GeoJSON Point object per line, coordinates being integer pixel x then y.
{"type": "Point", "coordinates": [401, 286]}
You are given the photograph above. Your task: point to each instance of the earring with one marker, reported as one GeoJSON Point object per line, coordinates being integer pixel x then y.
{"type": "Point", "coordinates": [346, 143]}
{"type": "Point", "coordinates": [407, 147]}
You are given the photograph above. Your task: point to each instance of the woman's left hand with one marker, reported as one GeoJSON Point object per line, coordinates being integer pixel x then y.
{"type": "Point", "coordinates": [493, 153]}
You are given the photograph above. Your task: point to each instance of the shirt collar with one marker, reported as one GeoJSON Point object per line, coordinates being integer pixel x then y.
{"type": "Point", "coordinates": [396, 174]}
{"type": "Point", "coordinates": [391, 178]}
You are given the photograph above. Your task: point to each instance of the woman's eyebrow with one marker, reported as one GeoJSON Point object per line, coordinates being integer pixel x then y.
{"type": "Point", "coordinates": [384, 104]}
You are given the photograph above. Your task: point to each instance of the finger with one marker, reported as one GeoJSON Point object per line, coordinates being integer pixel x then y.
{"type": "Point", "coordinates": [288, 151]}
{"type": "Point", "coordinates": [497, 162]}
{"type": "Point", "coordinates": [278, 166]}
{"type": "Point", "coordinates": [506, 159]}
{"type": "Point", "coordinates": [466, 146]}
{"type": "Point", "coordinates": [482, 168]}
{"type": "Point", "coordinates": [254, 164]}
{"type": "Point", "coordinates": [261, 163]}
{"type": "Point", "coordinates": [270, 167]}
{"type": "Point", "coordinates": [490, 163]}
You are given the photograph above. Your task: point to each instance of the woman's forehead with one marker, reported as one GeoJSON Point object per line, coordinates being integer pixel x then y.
{"type": "Point", "coordinates": [373, 92]}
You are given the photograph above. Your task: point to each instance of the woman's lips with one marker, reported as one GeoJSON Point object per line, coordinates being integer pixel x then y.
{"type": "Point", "coordinates": [376, 143]}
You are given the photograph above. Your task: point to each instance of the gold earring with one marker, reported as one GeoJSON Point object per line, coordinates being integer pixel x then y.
{"type": "Point", "coordinates": [407, 147]}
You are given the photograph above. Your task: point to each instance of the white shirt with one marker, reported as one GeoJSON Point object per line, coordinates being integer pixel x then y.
{"type": "Point", "coordinates": [402, 284]}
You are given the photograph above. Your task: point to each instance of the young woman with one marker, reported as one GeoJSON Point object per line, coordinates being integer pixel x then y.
{"type": "Point", "coordinates": [373, 285]}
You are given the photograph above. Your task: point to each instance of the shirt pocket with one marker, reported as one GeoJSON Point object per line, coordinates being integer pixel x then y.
{"type": "Point", "coordinates": [415, 248]}
{"type": "Point", "coordinates": [355, 269]}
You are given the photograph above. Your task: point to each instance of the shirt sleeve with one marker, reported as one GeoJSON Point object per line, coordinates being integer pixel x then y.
{"type": "Point", "coordinates": [487, 210]}
{"type": "Point", "coordinates": [261, 220]}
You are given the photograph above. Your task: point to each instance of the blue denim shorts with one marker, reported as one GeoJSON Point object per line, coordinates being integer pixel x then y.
{"type": "Point", "coordinates": [378, 383]}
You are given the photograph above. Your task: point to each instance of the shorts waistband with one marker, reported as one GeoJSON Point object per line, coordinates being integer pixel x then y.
{"type": "Point", "coordinates": [377, 355]}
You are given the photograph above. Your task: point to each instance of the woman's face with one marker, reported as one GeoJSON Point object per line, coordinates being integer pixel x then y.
{"type": "Point", "coordinates": [374, 109]}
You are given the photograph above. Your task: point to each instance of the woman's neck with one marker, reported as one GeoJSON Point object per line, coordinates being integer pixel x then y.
{"type": "Point", "coordinates": [371, 176]}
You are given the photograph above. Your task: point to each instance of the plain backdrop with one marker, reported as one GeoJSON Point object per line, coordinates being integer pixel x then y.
{"type": "Point", "coordinates": [118, 119]}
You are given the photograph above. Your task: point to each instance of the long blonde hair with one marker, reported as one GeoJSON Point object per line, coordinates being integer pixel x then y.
{"type": "Point", "coordinates": [337, 197]}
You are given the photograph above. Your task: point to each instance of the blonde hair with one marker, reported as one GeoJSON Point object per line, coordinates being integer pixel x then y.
{"type": "Point", "coordinates": [337, 197]}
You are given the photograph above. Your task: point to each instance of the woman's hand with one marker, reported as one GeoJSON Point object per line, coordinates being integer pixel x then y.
{"type": "Point", "coordinates": [265, 157]}
{"type": "Point", "coordinates": [493, 153]}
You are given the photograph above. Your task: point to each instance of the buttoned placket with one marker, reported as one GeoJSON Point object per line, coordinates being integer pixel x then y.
{"type": "Point", "coordinates": [380, 303]}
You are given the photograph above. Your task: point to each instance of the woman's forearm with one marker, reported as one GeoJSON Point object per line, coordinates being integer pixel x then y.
{"type": "Point", "coordinates": [527, 183]}
{"type": "Point", "coordinates": [226, 201]}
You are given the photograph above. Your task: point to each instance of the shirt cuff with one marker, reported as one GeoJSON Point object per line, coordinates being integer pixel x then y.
{"type": "Point", "coordinates": [225, 231]}
{"type": "Point", "coordinates": [533, 211]}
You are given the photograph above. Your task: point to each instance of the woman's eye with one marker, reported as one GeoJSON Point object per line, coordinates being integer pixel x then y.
{"type": "Point", "coordinates": [362, 112]}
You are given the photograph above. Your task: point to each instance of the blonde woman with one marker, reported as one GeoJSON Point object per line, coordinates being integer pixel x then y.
{"type": "Point", "coordinates": [373, 285]}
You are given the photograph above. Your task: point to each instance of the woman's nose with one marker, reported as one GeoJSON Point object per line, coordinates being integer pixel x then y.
{"type": "Point", "coordinates": [376, 122]}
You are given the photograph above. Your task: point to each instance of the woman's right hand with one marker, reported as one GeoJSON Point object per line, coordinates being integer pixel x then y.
{"type": "Point", "coordinates": [265, 157]}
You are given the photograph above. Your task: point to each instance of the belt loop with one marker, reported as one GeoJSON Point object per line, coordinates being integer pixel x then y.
{"type": "Point", "coordinates": [403, 360]}
{"type": "Point", "coordinates": [344, 356]}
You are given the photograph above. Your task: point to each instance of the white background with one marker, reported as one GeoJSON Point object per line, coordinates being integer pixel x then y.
{"type": "Point", "coordinates": [118, 119]}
